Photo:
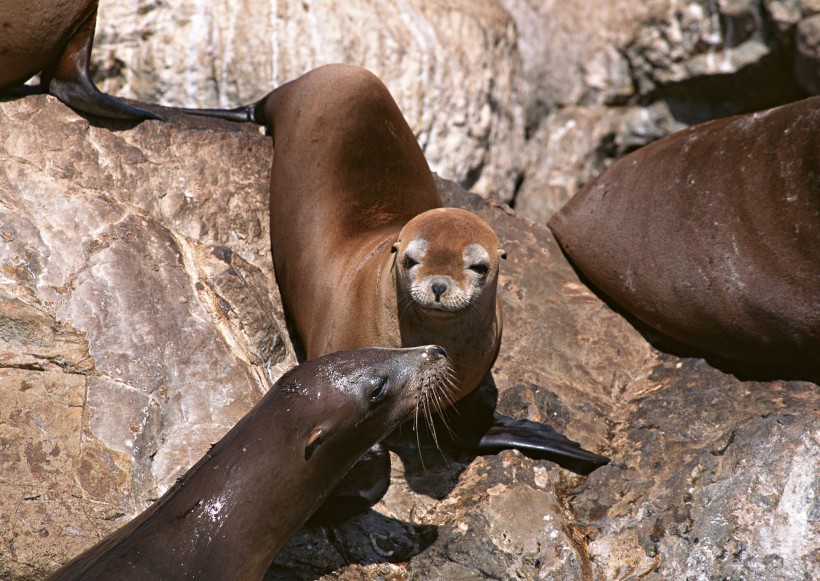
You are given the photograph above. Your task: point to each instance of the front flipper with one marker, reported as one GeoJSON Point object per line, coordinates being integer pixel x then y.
{"type": "Point", "coordinates": [534, 440]}
{"type": "Point", "coordinates": [70, 82]}
{"type": "Point", "coordinates": [362, 487]}
{"type": "Point", "coordinates": [479, 429]}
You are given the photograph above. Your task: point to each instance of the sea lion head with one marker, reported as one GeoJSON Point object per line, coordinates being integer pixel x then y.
{"type": "Point", "coordinates": [447, 260]}
{"type": "Point", "coordinates": [345, 401]}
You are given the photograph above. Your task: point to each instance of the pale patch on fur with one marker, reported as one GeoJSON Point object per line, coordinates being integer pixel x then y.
{"type": "Point", "coordinates": [456, 296]}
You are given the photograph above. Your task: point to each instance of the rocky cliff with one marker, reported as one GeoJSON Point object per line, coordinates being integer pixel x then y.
{"type": "Point", "coordinates": [521, 101]}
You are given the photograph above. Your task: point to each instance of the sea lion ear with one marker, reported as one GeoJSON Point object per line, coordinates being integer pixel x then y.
{"type": "Point", "coordinates": [315, 438]}
{"type": "Point", "coordinates": [502, 253]}
{"type": "Point", "coordinates": [394, 248]}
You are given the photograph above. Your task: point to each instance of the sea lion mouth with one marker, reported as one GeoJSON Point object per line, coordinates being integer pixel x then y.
{"type": "Point", "coordinates": [439, 312]}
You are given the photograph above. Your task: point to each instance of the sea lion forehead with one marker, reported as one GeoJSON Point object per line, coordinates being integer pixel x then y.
{"type": "Point", "coordinates": [452, 225]}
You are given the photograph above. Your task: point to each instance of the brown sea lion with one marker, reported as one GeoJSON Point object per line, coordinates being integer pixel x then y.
{"type": "Point", "coordinates": [366, 255]}
{"type": "Point", "coordinates": [54, 38]}
{"type": "Point", "coordinates": [712, 236]}
{"type": "Point", "coordinates": [235, 509]}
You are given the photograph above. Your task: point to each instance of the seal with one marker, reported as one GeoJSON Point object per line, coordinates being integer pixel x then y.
{"type": "Point", "coordinates": [55, 39]}
{"type": "Point", "coordinates": [229, 515]}
{"type": "Point", "coordinates": [365, 254]}
{"type": "Point", "coordinates": [712, 237]}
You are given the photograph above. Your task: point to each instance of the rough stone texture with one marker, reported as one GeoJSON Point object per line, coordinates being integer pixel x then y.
{"type": "Point", "coordinates": [139, 319]}
{"type": "Point", "coordinates": [451, 65]}
{"type": "Point", "coordinates": [131, 336]}
{"type": "Point", "coordinates": [604, 78]}
{"type": "Point", "coordinates": [807, 62]}
{"type": "Point", "coordinates": [521, 101]}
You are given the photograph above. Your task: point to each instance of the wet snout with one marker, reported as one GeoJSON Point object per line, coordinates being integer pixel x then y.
{"type": "Point", "coordinates": [434, 353]}
{"type": "Point", "coordinates": [439, 285]}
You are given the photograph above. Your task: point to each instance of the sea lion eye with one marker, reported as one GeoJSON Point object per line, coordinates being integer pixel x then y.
{"type": "Point", "coordinates": [379, 388]}
{"type": "Point", "coordinates": [409, 262]}
{"type": "Point", "coordinates": [481, 269]}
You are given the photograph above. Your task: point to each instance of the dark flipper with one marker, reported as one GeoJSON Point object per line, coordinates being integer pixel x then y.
{"type": "Point", "coordinates": [362, 487]}
{"type": "Point", "coordinates": [538, 441]}
{"type": "Point", "coordinates": [245, 113]}
{"type": "Point", "coordinates": [485, 431]}
{"type": "Point", "coordinates": [69, 79]}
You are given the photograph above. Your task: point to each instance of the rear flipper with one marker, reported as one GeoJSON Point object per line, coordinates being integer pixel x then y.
{"type": "Point", "coordinates": [479, 429]}
{"type": "Point", "coordinates": [81, 94]}
{"type": "Point", "coordinates": [245, 113]}
{"type": "Point", "coordinates": [534, 440]}
{"type": "Point", "coordinates": [70, 82]}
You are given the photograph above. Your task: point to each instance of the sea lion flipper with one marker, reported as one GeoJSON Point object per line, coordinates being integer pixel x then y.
{"type": "Point", "coordinates": [538, 441]}
{"type": "Point", "coordinates": [242, 114]}
{"type": "Point", "coordinates": [70, 82]}
{"type": "Point", "coordinates": [362, 487]}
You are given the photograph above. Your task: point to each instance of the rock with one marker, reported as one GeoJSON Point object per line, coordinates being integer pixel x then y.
{"type": "Point", "coordinates": [521, 102]}
{"type": "Point", "coordinates": [602, 79]}
{"type": "Point", "coordinates": [139, 320]}
{"type": "Point", "coordinates": [807, 62]}
{"type": "Point", "coordinates": [451, 65]}
{"type": "Point", "coordinates": [131, 336]}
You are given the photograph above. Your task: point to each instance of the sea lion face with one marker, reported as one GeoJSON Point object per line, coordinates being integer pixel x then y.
{"type": "Point", "coordinates": [350, 399]}
{"type": "Point", "coordinates": [447, 260]}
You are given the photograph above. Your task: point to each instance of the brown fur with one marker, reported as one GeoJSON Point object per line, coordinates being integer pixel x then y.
{"type": "Point", "coordinates": [34, 34]}
{"type": "Point", "coordinates": [349, 182]}
{"type": "Point", "coordinates": [712, 236]}
{"type": "Point", "coordinates": [54, 38]}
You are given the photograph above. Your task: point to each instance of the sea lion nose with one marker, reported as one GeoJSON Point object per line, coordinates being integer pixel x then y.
{"type": "Point", "coordinates": [434, 352]}
{"type": "Point", "coordinates": [438, 289]}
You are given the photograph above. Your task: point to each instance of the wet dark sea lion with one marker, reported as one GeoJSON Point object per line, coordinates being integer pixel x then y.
{"type": "Point", "coordinates": [54, 38]}
{"type": "Point", "coordinates": [712, 236]}
{"type": "Point", "coordinates": [232, 512]}
{"type": "Point", "coordinates": [366, 255]}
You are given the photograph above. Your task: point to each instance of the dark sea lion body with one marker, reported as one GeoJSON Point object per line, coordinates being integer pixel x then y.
{"type": "Point", "coordinates": [232, 512]}
{"type": "Point", "coordinates": [712, 236]}
{"type": "Point", "coordinates": [54, 38]}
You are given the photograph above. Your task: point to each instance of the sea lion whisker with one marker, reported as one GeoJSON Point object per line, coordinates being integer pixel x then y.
{"type": "Point", "coordinates": [419, 402]}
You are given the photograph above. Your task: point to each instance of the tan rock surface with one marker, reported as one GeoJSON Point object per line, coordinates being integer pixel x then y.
{"type": "Point", "coordinates": [125, 343]}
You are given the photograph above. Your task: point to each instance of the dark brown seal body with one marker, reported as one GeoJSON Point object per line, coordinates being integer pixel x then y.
{"type": "Point", "coordinates": [232, 512]}
{"type": "Point", "coordinates": [54, 38]}
{"type": "Point", "coordinates": [712, 236]}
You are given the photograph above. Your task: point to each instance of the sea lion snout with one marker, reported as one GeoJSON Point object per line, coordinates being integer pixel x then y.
{"type": "Point", "coordinates": [434, 352]}
{"type": "Point", "coordinates": [439, 287]}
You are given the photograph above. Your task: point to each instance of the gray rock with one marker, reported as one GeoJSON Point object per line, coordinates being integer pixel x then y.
{"type": "Point", "coordinates": [131, 336]}
{"type": "Point", "coordinates": [490, 87]}
{"type": "Point", "coordinates": [139, 320]}
{"type": "Point", "coordinates": [807, 61]}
